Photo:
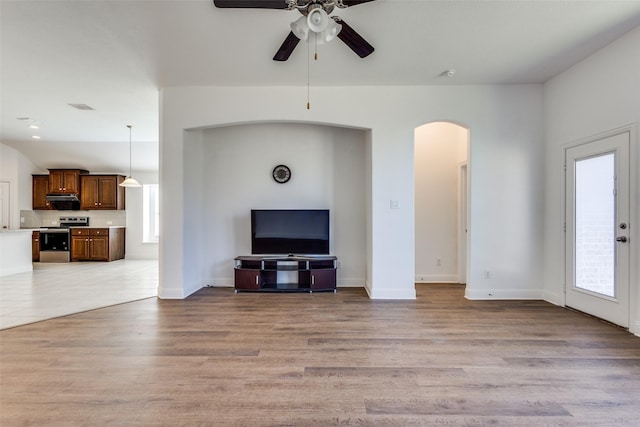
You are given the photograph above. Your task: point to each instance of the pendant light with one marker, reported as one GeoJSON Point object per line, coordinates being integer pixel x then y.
{"type": "Point", "coordinates": [130, 182]}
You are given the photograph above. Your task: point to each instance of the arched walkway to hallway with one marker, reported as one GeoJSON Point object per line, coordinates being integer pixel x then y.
{"type": "Point", "coordinates": [441, 153]}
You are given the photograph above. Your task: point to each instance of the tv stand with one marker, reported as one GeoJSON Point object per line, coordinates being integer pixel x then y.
{"type": "Point", "coordinates": [290, 273]}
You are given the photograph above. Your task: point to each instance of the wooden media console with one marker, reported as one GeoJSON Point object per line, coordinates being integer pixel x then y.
{"type": "Point", "coordinates": [285, 273]}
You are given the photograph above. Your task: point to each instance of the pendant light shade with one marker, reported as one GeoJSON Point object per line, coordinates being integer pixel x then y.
{"type": "Point", "coordinates": [130, 182]}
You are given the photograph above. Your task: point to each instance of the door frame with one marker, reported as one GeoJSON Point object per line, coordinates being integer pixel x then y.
{"type": "Point", "coordinates": [634, 215]}
{"type": "Point", "coordinates": [7, 199]}
{"type": "Point", "coordinates": [463, 220]}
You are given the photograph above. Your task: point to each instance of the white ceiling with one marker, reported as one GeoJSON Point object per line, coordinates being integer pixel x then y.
{"type": "Point", "coordinates": [115, 55]}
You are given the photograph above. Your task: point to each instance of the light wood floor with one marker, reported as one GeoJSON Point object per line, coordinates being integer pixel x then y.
{"type": "Point", "coordinates": [322, 359]}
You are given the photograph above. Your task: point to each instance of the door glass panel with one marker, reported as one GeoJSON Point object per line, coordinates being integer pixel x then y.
{"type": "Point", "coordinates": [595, 224]}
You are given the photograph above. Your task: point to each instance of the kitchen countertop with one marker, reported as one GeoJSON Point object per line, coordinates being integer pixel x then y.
{"type": "Point", "coordinates": [99, 226]}
{"type": "Point", "coordinates": [58, 228]}
{"type": "Point", "coordinates": [17, 230]}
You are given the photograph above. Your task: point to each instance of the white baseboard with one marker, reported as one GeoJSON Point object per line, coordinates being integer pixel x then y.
{"type": "Point", "coordinates": [178, 293]}
{"type": "Point", "coordinates": [8, 271]}
{"type": "Point", "coordinates": [635, 330]}
{"type": "Point", "coordinates": [436, 278]}
{"type": "Point", "coordinates": [351, 283]}
{"type": "Point", "coordinates": [171, 294]}
{"type": "Point", "coordinates": [503, 294]}
{"type": "Point", "coordinates": [553, 298]}
{"type": "Point", "coordinates": [392, 294]}
{"type": "Point", "coordinates": [224, 282]}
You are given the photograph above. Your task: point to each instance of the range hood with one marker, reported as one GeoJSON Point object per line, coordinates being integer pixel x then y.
{"type": "Point", "coordinates": [63, 202]}
{"type": "Point", "coordinates": [61, 197]}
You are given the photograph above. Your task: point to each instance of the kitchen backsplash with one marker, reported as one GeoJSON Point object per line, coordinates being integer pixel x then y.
{"type": "Point", "coordinates": [35, 219]}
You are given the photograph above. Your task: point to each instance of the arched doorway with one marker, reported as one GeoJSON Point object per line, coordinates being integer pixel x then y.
{"type": "Point", "coordinates": [441, 155]}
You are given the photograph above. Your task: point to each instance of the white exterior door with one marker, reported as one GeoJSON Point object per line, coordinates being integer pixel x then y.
{"type": "Point", "coordinates": [597, 228]}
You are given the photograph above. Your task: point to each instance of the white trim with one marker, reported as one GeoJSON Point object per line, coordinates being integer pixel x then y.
{"type": "Point", "coordinates": [171, 294]}
{"type": "Point", "coordinates": [392, 294]}
{"type": "Point", "coordinates": [504, 294]}
{"type": "Point", "coordinates": [635, 329]}
{"type": "Point", "coordinates": [437, 278]}
{"type": "Point", "coordinates": [351, 283]}
{"type": "Point", "coordinates": [224, 282]}
{"type": "Point", "coordinates": [553, 298]}
{"type": "Point", "coordinates": [8, 271]}
{"type": "Point", "coordinates": [178, 293]}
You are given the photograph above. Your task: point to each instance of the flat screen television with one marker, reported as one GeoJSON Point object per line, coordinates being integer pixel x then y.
{"type": "Point", "coordinates": [290, 231]}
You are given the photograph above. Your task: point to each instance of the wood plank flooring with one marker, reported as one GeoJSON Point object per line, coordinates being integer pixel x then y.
{"type": "Point", "coordinates": [321, 359]}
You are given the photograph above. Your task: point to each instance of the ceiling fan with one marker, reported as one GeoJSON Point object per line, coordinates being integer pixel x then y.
{"type": "Point", "coordinates": [315, 22]}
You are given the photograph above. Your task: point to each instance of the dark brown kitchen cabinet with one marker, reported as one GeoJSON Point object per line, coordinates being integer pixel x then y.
{"type": "Point", "coordinates": [97, 244]}
{"type": "Point", "coordinates": [102, 192]}
{"type": "Point", "coordinates": [39, 191]}
{"type": "Point", "coordinates": [65, 181]}
{"type": "Point", "coordinates": [35, 246]}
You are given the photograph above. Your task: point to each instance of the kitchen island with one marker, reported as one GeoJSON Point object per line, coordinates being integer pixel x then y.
{"type": "Point", "coordinates": [15, 251]}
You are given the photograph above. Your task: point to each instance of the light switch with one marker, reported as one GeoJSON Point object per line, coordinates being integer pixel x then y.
{"type": "Point", "coordinates": [394, 204]}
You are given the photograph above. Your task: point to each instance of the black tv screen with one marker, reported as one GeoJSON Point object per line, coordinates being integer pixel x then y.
{"type": "Point", "coordinates": [290, 231]}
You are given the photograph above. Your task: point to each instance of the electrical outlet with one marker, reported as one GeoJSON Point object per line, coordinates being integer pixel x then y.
{"type": "Point", "coordinates": [109, 222]}
{"type": "Point", "coordinates": [338, 264]}
{"type": "Point", "coordinates": [487, 274]}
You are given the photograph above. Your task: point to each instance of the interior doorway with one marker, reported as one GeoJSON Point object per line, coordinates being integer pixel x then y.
{"type": "Point", "coordinates": [441, 153]}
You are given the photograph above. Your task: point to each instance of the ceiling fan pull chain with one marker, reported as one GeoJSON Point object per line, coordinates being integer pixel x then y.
{"type": "Point", "coordinates": [308, 75]}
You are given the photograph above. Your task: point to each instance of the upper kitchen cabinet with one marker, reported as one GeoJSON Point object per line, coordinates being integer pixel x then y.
{"type": "Point", "coordinates": [39, 193]}
{"type": "Point", "coordinates": [65, 181]}
{"type": "Point", "coordinates": [101, 192]}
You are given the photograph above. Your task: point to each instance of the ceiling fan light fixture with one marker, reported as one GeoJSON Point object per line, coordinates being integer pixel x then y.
{"type": "Point", "coordinates": [332, 31]}
{"type": "Point", "coordinates": [317, 19]}
{"type": "Point", "coordinates": [300, 28]}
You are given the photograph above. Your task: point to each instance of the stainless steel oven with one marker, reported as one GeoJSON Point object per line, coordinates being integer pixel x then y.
{"type": "Point", "coordinates": [55, 242]}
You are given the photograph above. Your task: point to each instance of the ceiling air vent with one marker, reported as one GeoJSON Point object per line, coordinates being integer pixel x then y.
{"type": "Point", "coordinates": [81, 107]}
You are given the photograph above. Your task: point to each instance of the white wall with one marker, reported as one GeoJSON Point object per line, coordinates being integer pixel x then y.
{"type": "Point", "coordinates": [16, 169]}
{"type": "Point", "coordinates": [597, 95]}
{"type": "Point", "coordinates": [135, 247]}
{"type": "Point", "coordinates": [506, 175]}
{"type": "Point", "coordinates": [327, 165]}
{"type": "Point", "coordinates": [440, 148]}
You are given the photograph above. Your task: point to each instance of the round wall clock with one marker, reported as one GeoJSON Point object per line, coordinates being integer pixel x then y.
{"type": "Point", "coordinates": [281, 174]}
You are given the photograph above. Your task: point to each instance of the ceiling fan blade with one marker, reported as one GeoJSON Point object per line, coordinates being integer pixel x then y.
{"type": "Point", "coordinates": [354, 2]}
{"type": "Point", "coordinates": [354, 40]}
{"type": "Point", "coordinates": [257, 4]}
{"type": "Point", "coordinates": [287, 47]}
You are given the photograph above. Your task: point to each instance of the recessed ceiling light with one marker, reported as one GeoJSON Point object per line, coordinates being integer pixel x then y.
{"type": "Point", "coordinates": [34, 126]}
{"type": "Point", "coordinates": [35, 137]}
{"type": "Point", "coordinates": [449, 73]}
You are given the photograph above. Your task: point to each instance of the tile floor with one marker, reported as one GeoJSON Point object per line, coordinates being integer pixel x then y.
{"type": "Point", "coordinates": [59, 289]}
